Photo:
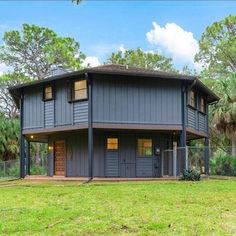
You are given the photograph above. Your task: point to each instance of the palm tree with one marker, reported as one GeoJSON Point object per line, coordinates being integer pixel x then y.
{"type": "Point", "coordinates": [224, 112]}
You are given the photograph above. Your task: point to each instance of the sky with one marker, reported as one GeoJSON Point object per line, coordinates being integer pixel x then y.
{"type": "Point", "coordinates": [171, 28]}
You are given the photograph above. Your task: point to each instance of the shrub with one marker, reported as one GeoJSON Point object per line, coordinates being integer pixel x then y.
{"type": "Point", "coordinates": [191, 175]}
{"type": "Point", "coordinates": [37, 170]}
{"type": "Point", "coordinates": [223, 165]}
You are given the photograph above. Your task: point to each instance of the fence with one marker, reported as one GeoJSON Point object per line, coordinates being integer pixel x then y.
{"type": "Point", "coordinates": [221, 160]}
{"type": "Point", "coordinates": [9, 169]}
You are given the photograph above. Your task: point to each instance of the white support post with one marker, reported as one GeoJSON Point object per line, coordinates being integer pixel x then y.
{"type": "Point", "coordinates": [186, 157]}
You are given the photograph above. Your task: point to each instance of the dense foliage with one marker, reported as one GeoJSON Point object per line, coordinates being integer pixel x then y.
{"type": "Point", "coordinates": [36, 51]}
{"type": "Point", "coordinates": [140, 58]}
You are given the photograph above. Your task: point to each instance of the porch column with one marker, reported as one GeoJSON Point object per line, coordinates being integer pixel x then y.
{"type": "Point", "coordinates": [90, 127]}
{"type": "Point", "coordinates": [206, 155]}
{"type": "Point", "coordinates": [27, 157]}
{"type": "Point", "coordinates": [183, 136]}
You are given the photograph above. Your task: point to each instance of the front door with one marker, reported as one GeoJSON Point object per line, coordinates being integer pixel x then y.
{"type": "Point", "coordinates": [59, 158]}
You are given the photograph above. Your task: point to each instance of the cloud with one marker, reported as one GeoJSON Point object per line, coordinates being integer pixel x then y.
{"type": "Point", "coordinates": [122, 48]}
{"type": "Point", "coordinates": [175, 41]}
{"type": "Point", "coordinates": [91, 61]}
{"type": "Point", "coordinates": [3, 68]}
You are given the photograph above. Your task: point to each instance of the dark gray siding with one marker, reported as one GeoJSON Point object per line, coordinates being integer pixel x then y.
{"type": "Point", "coordinates": [112, 164]}
{"type": "Point", "coordinates": [136, 101]}
{"type": "Point", "coordinates": [191, 120]}
{"type": "Point", "coordinates": [63, 109]}
{"type": "Point", "coordinates": [202, 122]}
{"type": "Point", "coordinates": [57, 112]}
{"type": "Point", "coordinates": [33, 109]}
{"type": "Point", "coordinates": [144, 166]}
{"type": "Point", "coordinates": [80, 112]}
{"type": "Point", "coordinates": [124, 163]}
{"type": "Point", "coordinates": [196, 119]}
{"type": "Point", "coordinates": [49, 113]}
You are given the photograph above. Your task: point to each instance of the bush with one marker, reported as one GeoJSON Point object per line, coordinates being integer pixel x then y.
{"type": "Point", "coordinates": [37, 170]}
{"type": "Point", "coordinates": [191, 175]}
{"type": "Point", "coordinates": [223, 165]}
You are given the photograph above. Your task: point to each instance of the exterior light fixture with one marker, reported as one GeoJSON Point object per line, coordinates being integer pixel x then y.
{"type": "Point", "coordinates": [31, 136]}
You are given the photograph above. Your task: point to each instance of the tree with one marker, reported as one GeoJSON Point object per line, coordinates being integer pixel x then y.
{"type": "Point", "coordinates": [7, 105]}
{"type": "Point", "coordinates": [217, 48]}
{"type": "Point", "coordinates": [142, 59]}
{"type": "Point", "coordinates": [224, 112]}
{"type": "Point", "coordinates": [36, 51]}
{"type": "Point", "coordinates": [9, 138]}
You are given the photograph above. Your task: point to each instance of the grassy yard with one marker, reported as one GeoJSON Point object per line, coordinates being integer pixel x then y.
{"type": "Point", "coordinates": [134, 208]}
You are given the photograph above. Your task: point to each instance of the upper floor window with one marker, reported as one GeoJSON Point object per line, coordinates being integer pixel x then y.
{"type": "Point", "coordinates": [202, 105]}
{"type": "Point", "coordinates": [145, 147]}
{"type": "Point", "coordinates": [48, 93]}
{"type": "Point", "coordinates": [79, 90]}
{"type": "Point", "coordinates": [192, 98]}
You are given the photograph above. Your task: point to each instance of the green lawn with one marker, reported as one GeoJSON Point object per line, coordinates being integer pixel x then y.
{"type": "Point", "coordinates": [134, 208]}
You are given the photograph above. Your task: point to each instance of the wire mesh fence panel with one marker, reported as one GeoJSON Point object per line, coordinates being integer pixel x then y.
{"type": "Point", "coordinates": [9, 169]}
{"type": "Point", "coordinates": [38, 165]}
{"type": "Point", "coordinates": [196, 158]}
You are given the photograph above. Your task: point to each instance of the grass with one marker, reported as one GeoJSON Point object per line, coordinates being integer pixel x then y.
{"type": "Point", "coordinates": [131, 208]}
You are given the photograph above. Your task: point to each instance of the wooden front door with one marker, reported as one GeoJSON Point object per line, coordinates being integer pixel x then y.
{"type": "Point", "coordinates": [59, 158]}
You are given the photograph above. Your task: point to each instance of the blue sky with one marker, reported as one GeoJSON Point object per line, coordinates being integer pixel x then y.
{"type": "Point", "coordinates": [105, 26]}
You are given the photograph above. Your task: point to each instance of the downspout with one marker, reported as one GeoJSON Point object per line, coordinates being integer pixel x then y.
{"type": "Point", "coordinates": [22, 141]}
{"type": "Point", "coordinates": [90, 127]}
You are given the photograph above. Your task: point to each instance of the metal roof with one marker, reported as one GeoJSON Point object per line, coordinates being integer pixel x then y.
{"type": "Point", "coordinates": [122, 70]}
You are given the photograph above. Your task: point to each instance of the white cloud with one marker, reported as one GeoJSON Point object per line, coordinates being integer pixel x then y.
{"type": "Point", "coordinates": [3, 68]}
{"type": "Point", "coordinates": [122, 48]}
{"type": "Point", "coordinates": [175, 41]}
{"type": "Point", "coordinates": [91, 61]}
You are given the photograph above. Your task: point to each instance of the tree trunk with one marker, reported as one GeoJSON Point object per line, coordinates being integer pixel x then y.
{"type": "Point", "coordinates": [233, 147]}
{"type": "Point", "coordinates": [37, 153]}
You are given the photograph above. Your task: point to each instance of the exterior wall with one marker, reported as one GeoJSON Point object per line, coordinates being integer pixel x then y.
{"type": "Point", "coordinates": [53, 113]}
{"type": "Point", "coordinates": [196, 120]}
{"type": "Point", "coordinates": [125, 162]}
{"type": "Point", "coordinates": [135, 101]}
{"type": "Point", "coordinates": [33, 109]}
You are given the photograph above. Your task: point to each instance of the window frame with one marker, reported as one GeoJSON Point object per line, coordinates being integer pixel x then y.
{"type": "Point", "coordinates": [152, 147]}
{"type": "Point", "coordinates": [194, 106]}
{"type": "Point", "coordinates": [72, 90]}
{"type": "Point", "coordinates": [44, 89]}
{"type": "Point", "coordinates": [202, 98]}
{"type": "Point", "coordinates": [112, 149]}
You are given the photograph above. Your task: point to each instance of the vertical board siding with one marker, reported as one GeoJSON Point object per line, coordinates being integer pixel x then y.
{"type": "Point", "coordinates": [33, 109]}
{"type": "Point", "coordinates": [144, 166]}
{"type": "Point", "coordinates": [80, 111]}
{"type": "Point", "coordinates": [49, 113]}
{"type": "Point", "coordinates": [202, 122]}
{"type": "Point", "coordinates": [126, 101]}
{"type": "Point", "coordinates": [63, 109]}
{"type": "Point", "coordinates": [191, 117]}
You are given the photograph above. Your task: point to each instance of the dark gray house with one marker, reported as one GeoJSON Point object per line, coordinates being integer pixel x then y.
{"type": "Point", "coordinates": [113, 120]}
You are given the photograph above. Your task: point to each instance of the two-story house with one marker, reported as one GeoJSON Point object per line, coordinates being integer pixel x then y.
{"type": "Point", "coordinates": [112, 120]}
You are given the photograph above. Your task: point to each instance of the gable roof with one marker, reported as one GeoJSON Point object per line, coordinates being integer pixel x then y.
{"type": "Point", "coordinates": [113, 69]}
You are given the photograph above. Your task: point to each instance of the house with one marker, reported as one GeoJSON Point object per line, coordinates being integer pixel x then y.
{"type": "Point", "coordinates": [113, 121]}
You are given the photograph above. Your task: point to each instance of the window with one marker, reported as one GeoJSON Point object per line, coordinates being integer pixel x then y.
{"type": "Point", "coordinates": [202, 105]}
{"type": "Point", "coordinates": [112, 143]}
{"type": "Point", "coordinates": [145, 147]}
{"type": "Point", "coordinates": [192, 99]}
{"type": "Point", "coordinates": [48, 93]}
{"type": "Point", "coordinates": [80, 90]}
